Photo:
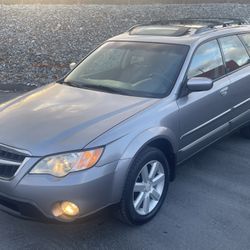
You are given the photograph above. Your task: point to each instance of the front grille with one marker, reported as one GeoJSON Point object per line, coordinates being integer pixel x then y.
{"type": "Point", "coordinates": [7, 155]}
{"type": "Point", "coordinates": [10, 161]}
{"type": "Point", "coordinates": [8, 171]}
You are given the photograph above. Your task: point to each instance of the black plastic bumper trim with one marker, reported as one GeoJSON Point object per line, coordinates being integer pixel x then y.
{"type": "Point", "coordinates": [21, 209]}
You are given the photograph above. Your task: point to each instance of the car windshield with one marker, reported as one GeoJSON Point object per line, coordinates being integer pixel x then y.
{"type": "Point", "coordinates": [130, 68]}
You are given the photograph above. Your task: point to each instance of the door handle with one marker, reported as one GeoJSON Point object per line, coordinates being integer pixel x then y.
{"type": "Point", "coordinates": [224, 91]}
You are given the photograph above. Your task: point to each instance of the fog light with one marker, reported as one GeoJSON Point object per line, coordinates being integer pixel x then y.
{"type": "Point", "coordinates": [69, 208]}
{"type": "Point", "coordinates": [65, 210]}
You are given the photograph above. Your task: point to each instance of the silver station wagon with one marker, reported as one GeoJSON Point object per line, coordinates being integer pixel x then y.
{"type": "Point", "coordinates": [113, 130]}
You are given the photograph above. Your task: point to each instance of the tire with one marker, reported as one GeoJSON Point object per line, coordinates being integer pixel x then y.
{"type": "Point", "coordinates": [245, 132]}
{"type": "Point", "coordinates": [130, 211]}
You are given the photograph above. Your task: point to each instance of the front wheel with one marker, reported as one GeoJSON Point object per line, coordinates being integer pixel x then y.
{"type": "Point", "coordinates": [146, 187]}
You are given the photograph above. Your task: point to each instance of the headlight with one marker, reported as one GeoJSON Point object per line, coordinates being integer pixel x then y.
{"type": "Point", "coordinates": [61, 165]}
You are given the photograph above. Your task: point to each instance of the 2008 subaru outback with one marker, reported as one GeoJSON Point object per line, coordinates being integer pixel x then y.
{"type": "Point", "coordinates": [114, 128]}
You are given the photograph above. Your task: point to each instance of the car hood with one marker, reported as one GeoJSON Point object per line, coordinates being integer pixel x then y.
{"type": "Point", "coordinates": [59, 118]}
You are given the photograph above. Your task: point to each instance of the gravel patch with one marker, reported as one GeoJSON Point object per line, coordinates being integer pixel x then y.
{"type": "Point", "coordinates": [39, 41]}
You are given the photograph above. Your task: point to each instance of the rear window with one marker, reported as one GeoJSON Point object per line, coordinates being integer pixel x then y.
{"type": "Point", "coordinates": [235, 53]}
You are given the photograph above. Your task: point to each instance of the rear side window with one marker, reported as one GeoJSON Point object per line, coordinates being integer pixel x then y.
{"type": "Point", "coordinates": [207, 62]}
{"type": "Point", "coordinates": [234, 52]}
{"type": "Point", "coordinates": [246, 40]}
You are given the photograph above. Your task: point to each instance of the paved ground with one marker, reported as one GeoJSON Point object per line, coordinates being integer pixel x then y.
{"type": "Point", "coordinates": [207, 208]}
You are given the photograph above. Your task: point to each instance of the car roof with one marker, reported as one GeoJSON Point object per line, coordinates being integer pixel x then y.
{"type": "Point", "coordinates": [185, 32]}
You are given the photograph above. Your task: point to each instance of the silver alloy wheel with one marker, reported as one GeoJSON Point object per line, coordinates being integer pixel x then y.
{"type": "Point", "coordinates": [148, 188]}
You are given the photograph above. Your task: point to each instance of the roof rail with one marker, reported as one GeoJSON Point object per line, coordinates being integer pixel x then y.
{"type": "Point", "coordinates": [208, 23]}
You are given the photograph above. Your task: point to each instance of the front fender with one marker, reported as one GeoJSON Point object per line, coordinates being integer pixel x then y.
{"type": "Point", "coordinates": [148, 136]}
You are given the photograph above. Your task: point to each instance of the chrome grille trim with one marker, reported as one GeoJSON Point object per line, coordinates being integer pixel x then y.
{"type": "Point", "coordinates": [15, 150]}
{"type": "Point", "coordinates": [20, 167]}
{"type": "Point", "coordinates": [13, 163]}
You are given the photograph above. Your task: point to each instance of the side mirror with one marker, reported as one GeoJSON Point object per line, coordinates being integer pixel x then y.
{"type": "Point", "coordinates": [199, 84]}
{"type": "Point", "coordinates": [72, 66]}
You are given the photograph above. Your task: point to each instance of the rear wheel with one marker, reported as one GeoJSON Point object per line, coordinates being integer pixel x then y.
{"type": "Point", "coordinates": [245, 131]}
{"type": "Point", "coordinates": [146, 187]}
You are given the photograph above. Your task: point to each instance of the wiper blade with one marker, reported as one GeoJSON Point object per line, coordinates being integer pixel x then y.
{"type": "Point", "coordinates": [97, 87]}
{"type": "Point", "coordinates": [102, 88]}
{"type": "Point", "coordinates": [72, 84]}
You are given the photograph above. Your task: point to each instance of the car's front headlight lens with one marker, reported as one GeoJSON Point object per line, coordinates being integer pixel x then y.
{"type": "Point", "coordinates": [61, 165]}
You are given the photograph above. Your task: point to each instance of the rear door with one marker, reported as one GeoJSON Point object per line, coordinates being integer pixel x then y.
{"type": "Point", "coordinates": [204, 116]}
{"type": "Point", "coordinates": [236, 56]}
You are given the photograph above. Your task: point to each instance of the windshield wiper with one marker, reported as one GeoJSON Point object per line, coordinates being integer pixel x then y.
{"type": "Point", "coordinates": [72, 84]}
{"type": "Point", "coordinates": [97, 87]}
{"type": "Point", "coordinates": [101, 87]}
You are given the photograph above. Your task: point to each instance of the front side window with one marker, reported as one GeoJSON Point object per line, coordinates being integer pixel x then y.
{"type": "Point", "coordinates": [234, 52]}
{"type": "Point", "coordinates": [207, 62]}
{"type": "Point", "coordinates": [132, 68]}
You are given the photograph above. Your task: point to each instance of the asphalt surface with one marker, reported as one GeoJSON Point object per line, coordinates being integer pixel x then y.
{"type": "Point", "coordinates": [207, 208]}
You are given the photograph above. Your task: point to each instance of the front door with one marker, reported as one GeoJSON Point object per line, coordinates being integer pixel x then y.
{"type": "Point", "coordinates": [204, 115]}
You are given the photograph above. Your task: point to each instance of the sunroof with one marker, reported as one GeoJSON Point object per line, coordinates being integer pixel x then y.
{"type": "Point", "coordinates": [159, 30]}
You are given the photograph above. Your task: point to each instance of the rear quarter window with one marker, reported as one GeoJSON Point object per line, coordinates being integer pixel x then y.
{"type": "Point", "coordinates": [246, 40]}
{"type": "Point", "coordinates": [234, 52]}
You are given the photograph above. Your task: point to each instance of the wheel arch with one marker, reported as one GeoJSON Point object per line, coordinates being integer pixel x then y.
{"type": "Point", "coordinates": [165, 146]}
{"type": "Point", "coordinates": [160, 138]}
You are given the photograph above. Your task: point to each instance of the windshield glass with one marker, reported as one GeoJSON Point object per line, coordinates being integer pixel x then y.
{"type": "Point", "coordinates": [130, 68]}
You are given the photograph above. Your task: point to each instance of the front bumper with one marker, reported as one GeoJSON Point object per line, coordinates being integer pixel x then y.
{"type": "Point", "coordinates": [34, 196]}
{"type": "Point", "coordinates": [21, 209]}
